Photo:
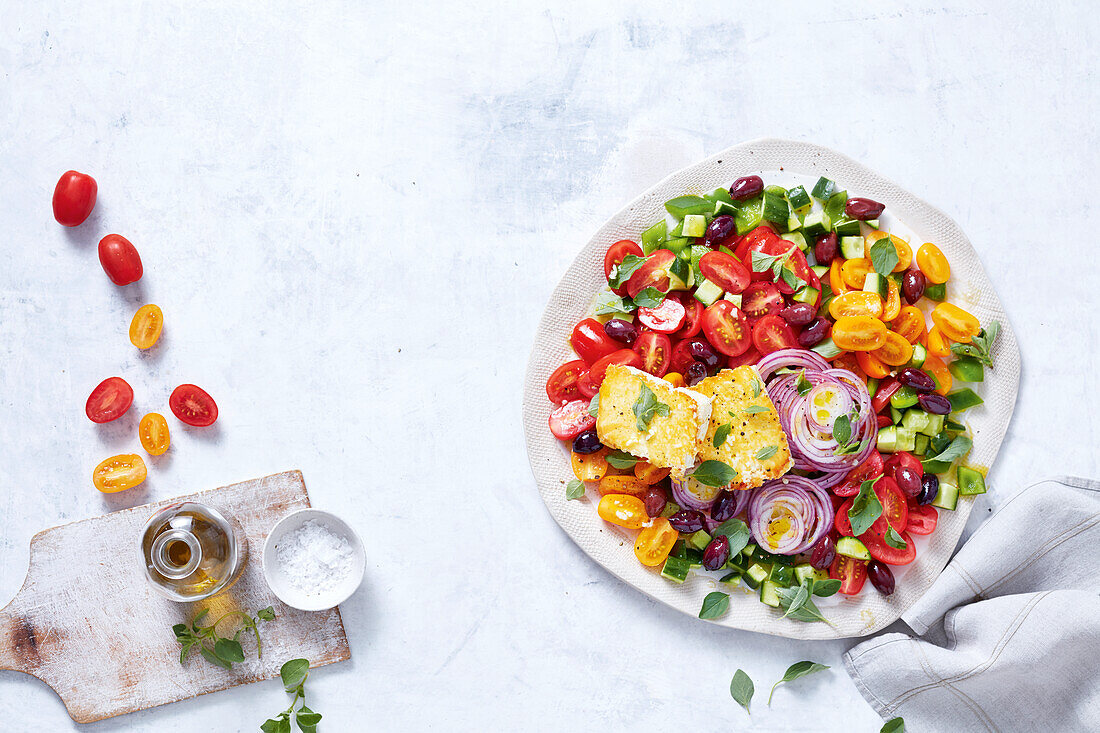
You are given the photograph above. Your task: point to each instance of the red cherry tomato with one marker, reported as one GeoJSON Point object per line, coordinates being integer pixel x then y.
{"type": "Point", "coordinates": [882, 552]}
{"type": "Point", "coordinates": [865, 471]}
{"type": "Point", "coordinates": [681, 355]}
{"type": "Point", "coordinates": [586, 387]}
{"type": "Point", "coordinates": [796, 263]}
{"type": "Point", "coordinates": [772, 333]}
{"type": "Point", "coordinates": [626, 357]}
{"type": "Point", "coordinates": [922, 519]}
{"type": "Point", "coordinates": [724, 271]}
{"type": "Point", "coordinates": [562, 384]}
{"type": "Point", "coordinates": [726, 328]}
{"type": "Point", "coordinates": [750, 357]}
{"type": "Point", "coordinates": [884, 421]}
{"type": "Point", "coordinates": [74, 198]}
{"type": "Point", "coordinates": [842, 521]}
{"type": "Point", "coordinates": [120, 259]}
{"type": "Point", "coordinates": [885, 391]}
{"type": "Point", "coordinates": [591, 342]}
{"type": "Point", "coordinates": [761, 299]}
{"type": "Point", "coordinates": [665, 318]}
{"type": "Point", "coordinates": [655, 350]}
{"type": "Point", "coordinates": [895, 507]}
{"type": "Point", "coordinates": [654, 273]}
{"type": "Point", "coordinates": [616, 253]}
{"type": "Point", "coordinates": [851, 573]}
{"type": "Point", "coordinates": [693, 315]}
{"type": "Point", "coordinates": [760, 234]}
{"type": "Point", "coordinates": [566, 422]}
{"type": "Point", "coordinates": [109, 400]}
{"type": "Point", "coordinates": [193, 406]}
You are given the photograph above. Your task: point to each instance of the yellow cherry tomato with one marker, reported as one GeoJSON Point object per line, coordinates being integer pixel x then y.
{"type": "Point", "coordinates": [119, 473]}
{"type": "Point", "coordinates": [905, 252]}
{"type": "Point", "coordinates": [909, 323]}
{"type": "Point", "coordinates": [892, 307]}
{"type": "Point", "coordinates": [649, 474]}
{"type": "Point", "coordinates": [836, 280]}
{"type": "Point", "coordinates": [937, 344]}
{"type": "Point", "coordinates": [933, 264]}
{"type": "Point", "coordinates": [623, 510]}
{"type": "Point", "coordinates": [590, 466]}
{"type": "Point", "coordinates": [631, 485]}
{"type": "Point", "coordinates": [896, 351]}
{"type": "Point", "coordinates": [153, 434]}
{"type": "Point", "coordinates": [655, 542]}
{"type": "Point", "coordinates": [146, 326]}
{"type": "Point", "coordinates": [859, 333]}
{"type": "Point", "coordinates": [871, 365]}
{"type": "Point", "coordinates": [855, 272]}
{"type": "Point", "coordinates": [855, 303]}
{"type": "Point", "coordinates": [935, 366]}
{"type": "Point", "coordinates": [955, 323]}
{"type": "Point", "coordinates": [675, 379]}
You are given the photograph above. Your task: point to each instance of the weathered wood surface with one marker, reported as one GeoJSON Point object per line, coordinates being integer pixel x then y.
{"type": "Point", "coordinates": [88, 624]}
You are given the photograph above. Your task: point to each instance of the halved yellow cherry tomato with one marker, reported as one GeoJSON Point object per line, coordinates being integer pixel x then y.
{"type": "Point", "coordinates": [119, 473]}
{"type": "Point", "coordinates": [836, 280]}
{"type": "Point", "coordinates": [146, 326]}
{"type": "Point", "coordinates": [848, 360]}
{"type": "Point", "coordinates": [855, 272]}
{"type": "Point", "coordinates": [933, 264]}
{"type": "Point", "coordinates": [871, 365]}
{"type": "Point", "coordinates": [909, 323]}
{"type": "Point", "coordinates": [937, 344]}
{"type": "Point", "coordinates": [590, 466]}
{"type": "Point", "coordinates": [859, 333]}
{"type": "Point", "coordinates": [153, 434]}
{"type": "Point", "coordinates": [855, 303]}
{"type": "Point", "coordinates": [955, 323]}
{"type": "Point", "coordinates": [623, 510]}
{"type": "Point", "coordinates": [649, 474]}
{"type": "Point", "coordinates": [675, 379]}
{"type": "Point", "coordinates": [896, 351]}
{"type": "Point", "coordinates": [892, 307]}
{"type": "Point", "coordinates": [655, 542]}
{"type": "Point", "coordinates": [905, 252]}
{"type": "Point", "coordinates": [631, 485]}
{"type": "Point", "coordinates": [935, 366]}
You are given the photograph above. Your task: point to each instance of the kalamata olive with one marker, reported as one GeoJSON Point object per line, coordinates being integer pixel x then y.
{"type": "Point", "coordinates": [929, 487]}
{"type": "Point", "coordinates": [863, 209]}
{"type": "Point", "coordinates": [724, 506]}
{"type": "Point", "coordinates": [695, 373]}
{"type": "Point", "coordinates": [912, 285]}
{"type": "Point", "coordinates": [587, 442]}
{"type": "Point", "coordinates": [824, 553]}
{"type": "Point", "coordinates": [687, 521]}
{"type": "Point", "coordinates": [919, 380]}
{"type": "Point", "coordinates": [907, 480]}
{"type": "Point", "coordinates": [720, 229]}
{"type": "Point", "coordinates": [746, 187]}
{"type": "Point", "coordinates": [717, 552]}
{"type": "Point", "coordinates": [881, 577]}
{"type": "Point", "coordinates": [798, 314]}
{"type": "Point", "coordinates": [814, 333]}
{"type": "Point", "coordinates": [622, 331]}
{"type": "Point", "coordinates": [702, 351]}
{"type": "Point", "coordinates": [936, 404]}
{"type": "Point", "coordinates": [825, 249]}
{"type": "Point", "coordinates": [655, 499]}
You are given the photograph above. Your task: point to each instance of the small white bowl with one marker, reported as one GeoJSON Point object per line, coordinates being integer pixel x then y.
{"type": "Point", "coordinates": [281, 585]}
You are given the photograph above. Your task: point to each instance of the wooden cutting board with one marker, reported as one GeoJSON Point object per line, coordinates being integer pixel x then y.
{"type": "Point", "coordinates": [88, 624]}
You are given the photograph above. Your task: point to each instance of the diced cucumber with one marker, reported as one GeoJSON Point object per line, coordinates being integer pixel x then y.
{"type": "Point", "coordinates": [947, 497]}
{"type": "Point", "coordinates": [803, 571]}
{"type": "Point", "coordinates": [939, 442]}
{"type": "Point", "coordinates": [971, 481]}
{"type": "Point", "coordinates": [904, 398]}
{"type": "Point", "coordinates": [734, 298]}
{"type": "Point", "coordinates": [822, 271]}
{"type": "Point", "coordinates": [873, 223]}
{"type": "Point", "coordinates": [756, 574]}
{"type": "Point", "coordinates": [876, 283]}
{"type": "Point", "coordinates": [920, 444]}
{"type": "Point", "coordinates": [680, 274]}
{"type": "Point", "coordinates": [681, 206]}
{"type": "Point", "coordinates": [699, 540]}
{"type": "Point", "coordinates": [793, 223]}
{"type": "Point", "coordinates": [675, 569]}
{"type": "Point", "coordinates": [676, 245]}
{"type": "Point", "coordinates": [872, 386]}
{"type": "Point", "coordinates": [920, 354]}
{"type": "Point", "coordinates": [906, 440]}
{"type": "Point", "coordinates": [827, 349]}
{"type": "Point", "coordinates": [935, 426]}
{"type": "Point", "coordinates": [966, 369]}
{"type": "Point", "coordinates": [845, 227]}
{"type": "Point", "coordinates": [782, 575]}
{"type": "Point", "coordinates": [936, 292]}
{"type": "Point", "coordinates": [806, 294]}
{"type": "Point", "coordinates": [916, 420]}
{"type": "Point", "coordinates": [895, 415]}
{"type": "Point", "coordinates": [798, 239]}
{"type": "Point", "coordinates": [775, 205]}
{"type": "Point", "coordinates": [749, 214]}
{"type": "Point", "coordinates": [749, 550]}
{"type": "Point", "coordinates": [697, 252]}
{"type": "Point", "coordinates": [671, 508]}
{"type": "Point", "coordinates": [962, 399]}
{"type": "Point", "coordinates": [798, 198]}
{"type": "Point", "coordinates": [887, 439]}
{"type": "Point", "coordinates": [652, 237]}
{"type": "Point", "coordinates": [694, 557]}
{"type": "Point", "coordinates": [852, 547]}
{"type": "Point", "coordinates": [823, 189]}
{"type": "Point", "coordinates": [816, 224]}
{"type": "Point", "coordinates": [732, 578]}
{"type": "Point", "coordinates": [707, 292]}
{"type": "Point", "coordinates": [769, 594]}
{"type": "Point", "coordinates": [694, 225]}
{"type": "Point", "coordinates": [852, 248]}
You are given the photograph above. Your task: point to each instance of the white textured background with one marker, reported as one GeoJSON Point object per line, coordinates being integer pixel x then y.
{"type": "Point", "coordinates": [352, 215]}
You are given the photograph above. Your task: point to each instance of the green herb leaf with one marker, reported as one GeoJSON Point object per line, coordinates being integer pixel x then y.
{"type": "Point", "coordinates": [884, 256]}
{"type": "Point", "coordinates": [619, 459]}
{"type": "Point", "coordinates": [714, 473]}
{"type": "Point", "coordinates": [958, 448]}
{"type": "Point", "coordinates": [280, 724]}
{"type": "Point", "coordinates": [753, 409]}
{"type": "Point", "coordinates": [229, 650]}
{"type": "Point", "coordinates": [651, 297]}
{"type": "Point", "coordinates": [807, 612]}
{"type": "Point", "coordinates": [801, 596]}
{"type": "Point", "coordinates": [796, 670]}
{"type": "Point", "coordinates": [197, 621]}
{"type": "Point", "coordinates": [646, 406]}
{"type": "Point", "coordinates": [594, 405]}
{"type": "Point", "coordinates": [607, 303]}
{"type": "Point", "coordinates": [834, 207]}
{"type": "Point", "coordinates": [267, 614]}
{"type": "Point", "coordinates": [742, 689]}
{"type": "Point", "coordinates": [893, 725]}
{"type": "Point", "coordinates": [842, 429]}
{"type": "Point", "coordinates": [803, 385]}
{"type": "Point", "coordinates": [721, 433]}
{"type": "Point", "coordinates": [295, 671]}
{"type": "Point", "coordinates": [767, 452]}
{"type": "Point", "coordinates": [307, 719]}
{"type": "Point", "coordinates": [757, 387]}
{"type": "Point", "coordinates": [736, 531]}
{"type": "Point", "coordinates": [866, 508]}
{"type": "Point", "coordinates": [213, 658]}
{"type": "Point", "coordinates": [574, 489]}
{"type": "Point", "coordinates": [826, 588]}
{"type": "Point", "coordinates": [980, 346]}
{"type": "Point", "coordinates": [791, 279]}
{"type": "Point", "coordinates": [181, 631]}
{"type": "Point", "coordinates": [714, 605]}
{"type": "Point", "coordinates": [622, 272]}
{"type": "Point", "coordinates": [894, 539]}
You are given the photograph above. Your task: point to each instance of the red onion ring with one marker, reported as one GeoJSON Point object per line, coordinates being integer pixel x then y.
{"type": "Point", "coordinates": [803, 502]}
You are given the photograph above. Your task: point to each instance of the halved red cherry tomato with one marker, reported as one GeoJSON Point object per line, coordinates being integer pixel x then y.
{"type": "Point", "coordinates": [665, 318]}
{"type": "Point", "coordinates": [760, 234]}
{"type": "Point", "coordinates": [750, 357]}
{"type": "Point", "coordinates": [109, 400]}
{"type": "Point", "coordinates": [884, 421]}
{"type": "Point", "coordinates": [120, 259]}
{"type": "Point", "coordinates": [895, 507]}
{"type": "Point", "coordinates": [74, 198]}
{"type": "Point", "coordinates": [681, 355]}
{"type": "Point", "coordinates": [693, 316]}
{"type": "Point", "coordinates": [883, 552]}
{"type": "Point", "coordinates": [626, 357]}
{"type": "Point", "coordinates": [591, 342]}
{"type": "Point", "coordinates": [796, 263]}
{"type": "Point", "coordinates": [761, 299]}
{"type": "Point", "coordinates": [851, 573]}
{"type": "Point", "coordinates": [568, 421]}
{"type": "Point", "coordinates": [616, 253]}
{"type": "Point", "coordinates": [865, 471]}
{"type": "Point", "coordinates": [724, 271]}
{"type": "Point", "coordinates": [726, 328]}
{"type": "Point", "coordinates": [562, 384]}
{"type": "Point", "coordinates": [922, 519]}
{"type": "Point", "coordinates": [842, 521]}
{"type": "Point", "coordinates": [772, 333]}
{"type": "Point", "coordinates": [586, 387]}
{"type": "Point", "coordinates": [886, 390]}
{"type": "Point", "coordinates": [655, 350]}
{"type": "Point", "coordinates": [193, 406]}
{"type": "Point", "coordinates": [654, 273]}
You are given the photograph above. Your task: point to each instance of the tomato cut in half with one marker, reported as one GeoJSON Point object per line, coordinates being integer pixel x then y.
{"type": "Point", "coordinates": [74, 198]}
{"type": "Point", "coordinates": [727, 328]}
{"type": "Point", "coordinates": [193, 406]}
{"type": "Point", "coordinates": [654, 273]}
{"type": "Point", "coordinates": [869, 469]}
{"type": "Point", "coordinates": [883, 552]}
{"type": "Point", "coordinates": [749, 357]}
{"type": "Point", "coordinates": [851, 573]}
{"type": "Point", "coordinates": [895, 351]}
{"type": "Point", "coordinates": [109, 400]}
{"type": "Point", "coordinates": [886, 390]}
{"type": "Point", "coordinates": [772, 333]}
{"type": "Point", "coordinates": [120, 259]}
{"type": "Point", "coordinates": [761, 299]}
{"type": "Point", "coordinates": [654, 543]}
{"type": "Point", "coordinates": [842, 521]}
{"type": "Point", "coordinates": [693, 315]}
{"type": "Point", "coordinates": [756, 237]}
{"type": "Point", "coordinates": [562, 384]}
{"type": "Point", "coordinates": [871, 365]}
{"type": "Point", "coordinates": [655, 351]}
{"type": "Point", "coordinates": [796, 263]}
{"type": "Point", "coordinates": [568, 421]}
{"type": "Point", "coordinates": [922, 519]}
{"type": "Point", "coordinates": [626, 357]}
{"type": "Point", "coordinates": [616, 253]}
{"type": "Point", "coordinates": [855, 303]}
{"type": "Point", "coordinates": [859, 333]}
{"type": "Point", "coordinates": [724, 271]}
{"type": "Point", "coordinates": [591, 342]}
{"type": "Point", "coordinates": [681, 355]}
{"type": "Point", "coordinates": [895, 507]}
{"type": "Point", "coordinates": [665, 318]}
{"type": "Point", "coordinates": [586, 387]}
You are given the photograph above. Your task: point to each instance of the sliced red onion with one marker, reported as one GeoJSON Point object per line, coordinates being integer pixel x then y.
{"type": "Point", "coordinates": [690, 494]}
{"type": "Point", "coordinates": [801, 358]}
{"type": "Point", "coordinates": [798, 500]}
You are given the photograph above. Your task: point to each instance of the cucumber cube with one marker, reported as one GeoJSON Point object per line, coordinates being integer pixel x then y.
{"type": "Point", "coordinates": [806, 294]}
{"type": "Point", "coordinates": [816, 224]}
{"type": "Point", "coordinates": [782, 575]}
{"type": "Point", "coordinates": [694, 225]}
{"type": "Point", "coordinates": [845, 227]}
{"type": "Point", "coordinates": [916, 420]}
{"type": "Point", "coordinates": [934, 427]}
{"type": "Point", "coordinates": [906, 440]}
{"type": "Point", "coordinates": [920, 444]}
{"type": "Point", "coordinates": [823, 189]}
{"type": "Point", "coordinates": [798, 198]}
{"type": "Point", "coordinates": [875, 283]}
{"type": "Point", "coordinates": [947, 497]}
{"type": "Point", "coordinates": [699, 540]}
{"type": "Point", "coordinates": [734, 298]}
{"type": "Point", "coordinates": [852, 248]}
{"type": "Point", "coordinates": [920, 354]}
{"type": "Point", "coordinates": [707, 292]}
{"type": "Point", "coordinates": [803, 571]}
{"type": "Point", "coordinates": [798, 239]}
{"type": "Point", "coordinates": [887, 439]}
{"type": "Point", "coordinates": [775, 205]}
{"type": "Point", "coordinates": [675, 569]}
{"type": "Point", "coordinates": [769, 595]}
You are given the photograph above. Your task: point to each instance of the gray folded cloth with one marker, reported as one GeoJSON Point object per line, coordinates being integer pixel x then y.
{"type": "Point", "coordinates": [1019, 644]}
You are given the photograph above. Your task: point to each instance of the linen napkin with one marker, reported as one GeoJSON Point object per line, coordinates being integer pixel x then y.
{"type": "Point", "coordinates": [1019, 644]}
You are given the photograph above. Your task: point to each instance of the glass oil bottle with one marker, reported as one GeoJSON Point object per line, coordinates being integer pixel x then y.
{"type": "Point", "coordinates": [191, 551]}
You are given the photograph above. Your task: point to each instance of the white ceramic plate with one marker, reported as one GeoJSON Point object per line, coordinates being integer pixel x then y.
{"type": "Point", "coordinates": [310, 599]}
{"type": "Point", "coordinates": [786, 163]}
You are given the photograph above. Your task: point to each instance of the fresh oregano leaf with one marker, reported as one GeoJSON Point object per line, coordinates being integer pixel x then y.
{"type": "Point", "coordinates": [826, 588]}
{"type": "Point", "coordinates": [766, 452]}
{"type": "Point", "coordinates": [574, 489]}
{"type": "Point", "coordinates": [884, 256]}
{"type": "Point", "coordinates": [742, 689]}
{"type": "Point", "coordinates": [619, 459]}
{"type": "Point", "coordinates": [714, 473]}
{"type": "Point", "coordinates": [267, 614]}
{"type": "Point", "coordinates": [736, 531]}
{"type": "Point", "coordinates": [799, 600]}
{"type": "Point", "coordinates": [796, 670]}
{"type": "Point", "coordinates": [626, 268]}
{"type": "Point", "coordinates": [958, 448]}
{"type": "Point", "coordinates": [646, 406]}
{"type": "Point", "coordinates": [802, 384]}
{"type": "Point", "coordinates": [753, 409]}
{"type": "Point", "coordinates": [229, 650]}
{"type": "Point", "coordinates": [893, 725]}
{"type": "Point", "coordinates": [651, 297]}
{"type": "Point", "coordinates": [721, 433]}
{"type": "Point", "coordinates": [280, 724]}
{"type": "Point", "coordinates": [842, 429]}
{"type": "Point", "coordinates": [757, 387]}
{"type": "Point", "coordinates": [294, 673]}
{"type": "Point", "coordinates": [210, 656]}
{"type": "Point", "coordinates": [607, 303]}
{"type": "Point", "coordinates": [865, 509]}
{"type": "Point", "coordinates": [594, 405]}
{"type": "Point", "coordinates": [714, 605]}
{"type": "Point", "coordinates": [894, 539]}
{"type": "Point", "coordinates": [307, 719]}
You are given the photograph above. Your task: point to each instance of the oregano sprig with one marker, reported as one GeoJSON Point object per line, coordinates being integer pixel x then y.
{"type": "Point", "coordinates": [219, 650]}
{"type": "Point", "coordinates": [293, 675]}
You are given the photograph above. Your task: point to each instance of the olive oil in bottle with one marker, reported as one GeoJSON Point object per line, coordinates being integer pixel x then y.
{"type": "Point", "coordinates": [191, 551]}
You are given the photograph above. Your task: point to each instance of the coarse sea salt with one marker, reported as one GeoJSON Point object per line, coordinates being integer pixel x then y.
{"type": "Point", "coordinates": [315, 559]}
